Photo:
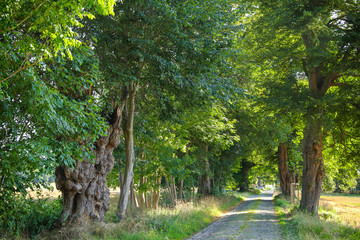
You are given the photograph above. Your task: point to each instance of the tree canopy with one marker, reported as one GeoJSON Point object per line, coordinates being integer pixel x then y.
{"type": "Point", "coordinates": [184, 95]}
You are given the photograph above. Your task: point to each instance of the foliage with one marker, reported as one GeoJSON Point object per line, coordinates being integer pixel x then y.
{"type": "Point", "coordinates": [29, 217]}
{"type": "Point", "coordinates": [51, 123]}
{"type": "Point", "coordinates": [47, 116]}
{"type": "Point", "coordinates": [32, 30]}
{"type": "Point", "coordinates": [182, 86]}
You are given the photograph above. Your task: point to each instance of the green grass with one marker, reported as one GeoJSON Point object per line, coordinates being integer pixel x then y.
{"type": "Point", "coordinates": [298, 225]}
{"type": "Point", "coordinates": [165, 223]}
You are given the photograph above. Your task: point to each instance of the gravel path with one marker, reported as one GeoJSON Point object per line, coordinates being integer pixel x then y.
{"type": "Point", "coordinates": [253, 219]}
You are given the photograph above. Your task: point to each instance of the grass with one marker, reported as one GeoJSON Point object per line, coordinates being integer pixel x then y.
{"type": "Point", "coordinates": [164, 223]}
{"type": "Point", "coordinates": [346, 206]}
{"type": "Point", "coordinates": [298, 225]}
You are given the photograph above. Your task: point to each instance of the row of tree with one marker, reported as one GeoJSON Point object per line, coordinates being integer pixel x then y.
{"type": "Point", "coordinates": [181, 93]}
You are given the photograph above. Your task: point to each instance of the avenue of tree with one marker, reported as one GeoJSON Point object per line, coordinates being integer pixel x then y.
{"type": "Point", "coordinates": [183, 95]}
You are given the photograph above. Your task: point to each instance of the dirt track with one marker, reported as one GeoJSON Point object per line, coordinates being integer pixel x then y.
{"type": "Point", "coordinates": [253, 219]}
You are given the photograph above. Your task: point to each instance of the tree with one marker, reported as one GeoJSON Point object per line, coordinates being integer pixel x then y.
{"type": "Point", "coordinates": [56, 118]}
{"type": "Point", "coordinates": [156, 47]}
{"type": "Point", "coordinates": [317, 39]}
{"type": "Point", "coordinates": [37, 30]}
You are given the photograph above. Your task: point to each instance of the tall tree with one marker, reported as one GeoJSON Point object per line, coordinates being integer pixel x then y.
{"type": "Point", "coordinates": [317, 39]}
{"type": "Point", "coordinates": [46, 80]}
{"type": "Point", "coordinates": [157, 46]}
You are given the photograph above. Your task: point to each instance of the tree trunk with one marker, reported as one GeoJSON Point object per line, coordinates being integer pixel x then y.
{"type": "Point", "coordinates": [180, 192]}
{"type": "Point", "coordinates": [204, 181]}
{"type": "Point", "coordinates": [313, 167]}
{"type": "Point", "coordinates": [244, 180]}
{"type": "Point", "coordinates": [130, 154]}
{"type": "Point", "coordinates": [284, 173]}
{"type": "Point", "coordinates": [136, 202]}
{"type": "Point", "coordinates": [132, 197]}
{"type": "Point", "coordinates": [156, 190]}
{"type": "Point", "coordinates": [168, 186]}
{"type": "Point", "coordinates": [141, 193]}
{"type": "Point", "coordinates": [84, 188]}
{"type": "Point", "coordinates": [173, 190]}
{"type": "Point", "coordinates": [313, 163]}
{"type": "Point", "coordinates": [121, 178]}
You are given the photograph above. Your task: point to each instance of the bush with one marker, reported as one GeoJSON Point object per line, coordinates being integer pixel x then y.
{"type": "Point", "coordinates": [282, 201]}
{"type": "Point", "coordinates": [28, 216]}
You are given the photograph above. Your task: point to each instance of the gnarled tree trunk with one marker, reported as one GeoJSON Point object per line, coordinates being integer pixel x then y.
{"type": "Point", "coordinates": [284, 173]}
{"type": "Point", "coordinates": [84, 188]}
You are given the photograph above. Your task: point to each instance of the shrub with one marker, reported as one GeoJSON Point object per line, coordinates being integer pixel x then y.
{"type": "Point", "coordinates": [28, 216]}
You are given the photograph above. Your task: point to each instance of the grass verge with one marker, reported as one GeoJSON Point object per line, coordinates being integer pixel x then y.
{"type": "Point", "coordinates": [164, 223]}
{"type": "Point", "coordinates": [298, 225]}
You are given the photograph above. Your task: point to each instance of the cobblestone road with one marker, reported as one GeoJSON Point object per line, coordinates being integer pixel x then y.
{"type": "Point", "coordinates": [253, 219]}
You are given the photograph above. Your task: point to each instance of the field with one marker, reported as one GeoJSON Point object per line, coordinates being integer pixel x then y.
{"type": "Point", "coordinates": [346, 206]}
{"type": "Point", "coordinates": [338, 219]}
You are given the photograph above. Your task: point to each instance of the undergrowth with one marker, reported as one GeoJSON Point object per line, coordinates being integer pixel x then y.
{"type": "Point", "coordinates": [25, 218]}
{"type": "Point", "coordinates": [298, 225]}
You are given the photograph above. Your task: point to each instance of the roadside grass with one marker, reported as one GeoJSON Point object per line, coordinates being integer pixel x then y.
{"type": "Point", "coordinates": [298, 225]}
{"type": "Point", "coordinates": [179, 222]}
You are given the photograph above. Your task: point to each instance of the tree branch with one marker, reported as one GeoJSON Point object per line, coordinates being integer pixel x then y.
{"type": "Point", "coordinates": [26, 18]}
{"type": "Point", "coordinates": [19, 70]}
{"type": "Point", "coordinates": [337, 84]}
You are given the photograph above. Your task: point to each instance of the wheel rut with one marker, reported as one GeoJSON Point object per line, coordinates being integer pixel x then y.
{"type": "Point", "coordinates": [254, 218]}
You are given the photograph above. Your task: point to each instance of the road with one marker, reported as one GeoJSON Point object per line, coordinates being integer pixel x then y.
{"type": "Point", "coordinates": [254, 218]}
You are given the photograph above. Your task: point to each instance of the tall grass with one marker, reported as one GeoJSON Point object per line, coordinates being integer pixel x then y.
{"type": "Point", "coordinates": [164, 223]}
{"type": "Point", "coordinates": [298, 225]}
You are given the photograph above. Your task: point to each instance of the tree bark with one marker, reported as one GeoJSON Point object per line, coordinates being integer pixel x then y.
{"type": "Point", "coordinates": [180, 192]}
{"type": "Point", "coordinates": [204, 181]}
{"type": "Point", "coordinates": [286, 177]}
{"type": "Point", "coordinates": [156, 191]}
{"type": "Point", "coordinates": [173, 190]}
{"type": "Point", "coordinates": [141, 192]}
{"type": "Point", "coordinates": [171, 195]}
{"type": "Point", "coordinates": [313, 163]}
{"type": "Point", "coordinates": [313, 167]}
{"type": "Point", "coordinates": [130, 154]}
{"type": "Point", "coordinates": [244, 180]}
{"type": "Point", "coordinates": [132, 197]}
{"type": "Point", "coordinates": [86, 196]}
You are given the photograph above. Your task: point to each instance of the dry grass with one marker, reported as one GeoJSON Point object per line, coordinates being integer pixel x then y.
{"type": "Point", "coordinates": [346, 207]}
{"type": "Point", "coordinates": [51, 193]}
